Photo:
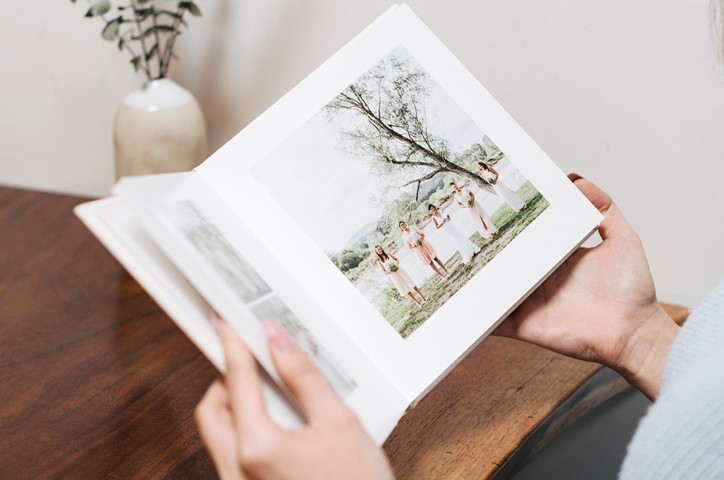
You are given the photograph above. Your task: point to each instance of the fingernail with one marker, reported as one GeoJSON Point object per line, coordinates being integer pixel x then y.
{"type": "Point", "coordinates": [574, 176]}
{"type": "Point", "coordinates": [278, 337]}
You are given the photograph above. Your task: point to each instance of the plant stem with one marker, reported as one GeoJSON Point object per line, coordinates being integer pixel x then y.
{"type": "Point", "coordinates": [141, 39]}
{"type": "Point", "coordinates": [125, 45]}
{"type": "Point", "coordinates": [161, 69]}
{"type": "Point", "coordinates": [168, 49]}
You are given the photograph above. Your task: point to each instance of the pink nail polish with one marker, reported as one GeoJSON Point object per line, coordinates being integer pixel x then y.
{"type": "Point", "coordinates": [278, 337]}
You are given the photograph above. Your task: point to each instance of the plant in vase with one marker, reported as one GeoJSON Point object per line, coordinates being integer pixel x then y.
{"type": "Point", "coordinates": [159, 127]}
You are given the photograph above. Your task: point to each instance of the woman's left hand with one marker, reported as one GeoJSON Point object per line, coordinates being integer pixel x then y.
{"type": "Point", "coordinates": [243, 441]}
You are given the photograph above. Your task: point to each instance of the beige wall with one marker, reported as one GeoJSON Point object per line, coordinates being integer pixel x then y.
{"type": "Point", "coordinates": [625, 93]}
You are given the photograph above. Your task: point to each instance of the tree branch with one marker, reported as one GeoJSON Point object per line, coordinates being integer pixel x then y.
{"type": "Point", "coordinates": [412, 135]}
{"type": "Point", "coordinates": [393, 161]}
{"type": "Point", "coordinates": [423, 178]}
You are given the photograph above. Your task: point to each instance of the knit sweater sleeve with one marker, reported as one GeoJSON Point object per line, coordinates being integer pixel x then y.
{"type": "Point", "coordinates": [682, 434]}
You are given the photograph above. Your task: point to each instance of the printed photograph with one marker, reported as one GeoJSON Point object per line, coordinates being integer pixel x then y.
{"type": "Point", "coordinates": [405, 194]}
{"type": "Point", "coordinates": [254, 292]}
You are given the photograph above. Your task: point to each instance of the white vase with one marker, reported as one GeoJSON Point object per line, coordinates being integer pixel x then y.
{"type": "Point", "coordinates": [159, 128]}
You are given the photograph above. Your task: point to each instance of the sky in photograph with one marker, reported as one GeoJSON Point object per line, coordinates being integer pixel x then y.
{"type": "Point", "coordinates": [331, 193]}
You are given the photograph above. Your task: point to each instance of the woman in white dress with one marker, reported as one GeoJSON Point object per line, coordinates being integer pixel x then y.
{"type": "Point", "coordinates": [390, 266]}
{"type": "Point", "coordinates": [463, 244]}
{"type": "Point", "coordinates": [466, 199]}
{"type": "Point", "coordinates": [491, 176]}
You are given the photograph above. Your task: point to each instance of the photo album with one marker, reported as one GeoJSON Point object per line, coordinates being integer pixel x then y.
{"type": "Point", "coordinates": [387, 212]}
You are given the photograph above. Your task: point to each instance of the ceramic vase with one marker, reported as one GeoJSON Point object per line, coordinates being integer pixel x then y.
{"type": "Point", "coordinates": [159, 128]}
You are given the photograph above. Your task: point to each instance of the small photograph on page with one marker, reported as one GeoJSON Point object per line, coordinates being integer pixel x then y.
{"type": "Point", "coordinates": [405, 194]}
{"type": "Point", "coordinates": [256, 295]}
{"type": "Point", "coordinates": [274, 309]}
{"type": "Point", "coordinates": [227, 262]}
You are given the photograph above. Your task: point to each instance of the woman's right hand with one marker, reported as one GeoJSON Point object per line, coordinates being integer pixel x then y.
{"type": "Point", "coordinates": [245, 444]}
{"type": "Point", "coordinates": [601, 305]}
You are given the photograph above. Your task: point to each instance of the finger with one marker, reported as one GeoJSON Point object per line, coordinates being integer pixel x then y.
{"type": "Point", "coordinates": [600, 199]}
{"type": "Point", "coordinates": [216, 427]}
{"type": "Point", "coordinates": [511, 326]}
{"type": "Point", "coordinates": [613, 223]}
{"type": "Point", "coordinates": [244, 384]}
{"type": "Point", "coordinates": [318, 401]}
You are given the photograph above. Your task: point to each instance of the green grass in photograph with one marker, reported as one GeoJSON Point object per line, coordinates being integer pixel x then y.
{"type": "Point", "coordinates": [405, 317]}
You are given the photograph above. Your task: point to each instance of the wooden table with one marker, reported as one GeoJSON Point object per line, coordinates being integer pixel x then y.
{"type": "Point", "coordinates": [97, 382]}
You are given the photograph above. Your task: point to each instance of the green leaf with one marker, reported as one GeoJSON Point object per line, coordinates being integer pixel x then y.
{"type": "Point", "coordinates": [191, 7]}
{"type": "Point", "coordinates": [136, 62]}
{"type": "Point", "coordinates": [110, 31]}
{"type": "Point", "coordinates": [98, 7]}
{"type": "Point", "coordinates": [124, 39]}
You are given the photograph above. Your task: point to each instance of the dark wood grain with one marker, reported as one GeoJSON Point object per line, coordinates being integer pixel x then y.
{"type": "Point", "coordinates": [96, 381]}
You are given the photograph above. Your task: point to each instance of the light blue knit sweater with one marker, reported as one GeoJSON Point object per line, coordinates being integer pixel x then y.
{"type": "Point", "coordinates": [682, 435]}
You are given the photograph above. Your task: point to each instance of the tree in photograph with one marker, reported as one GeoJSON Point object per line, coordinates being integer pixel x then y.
{"type": "Point", "coordinates": [350, 258]}
{"type": "Point", "coordinates": [472, 155]}
{"type": "Point", "coordinates": [492, 152]}
{"type": "Point", "coordinates": [404, 208]}
{"type": "Point", "coordinates": [390, 103]}
{"type": "Point", "coordinates": [485, 151]}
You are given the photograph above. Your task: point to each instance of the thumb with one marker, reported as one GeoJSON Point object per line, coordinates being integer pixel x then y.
{"type": "Point", "coordinates": [317, 399]}
{"type": "Point", "coordinates": [614, 224]}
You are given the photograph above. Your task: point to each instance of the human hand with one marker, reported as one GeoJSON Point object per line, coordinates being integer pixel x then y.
{"type": "Point", "coordinates": [601, 305]}
{"type": "Point", "coordinates": [245, 444]}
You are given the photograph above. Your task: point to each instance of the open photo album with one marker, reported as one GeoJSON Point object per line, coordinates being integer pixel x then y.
{"type": "Point", "coordinates": [387, 212]}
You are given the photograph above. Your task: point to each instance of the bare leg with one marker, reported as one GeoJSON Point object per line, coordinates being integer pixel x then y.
{"type": "Point", "coordinates": [487, 228]}
{"type": "Point", "coordinates": [423, 296]}
{"type": "Point", "coordinates": [439, 262]}
{"type": "Point", "coordinates": [485, 225]}
{"type": "Point", "coordinates": [434, 268]}
{"type": "Point", "coordinates": [409, 294]}
{"type": "Point", "coordinates": [484, 233]}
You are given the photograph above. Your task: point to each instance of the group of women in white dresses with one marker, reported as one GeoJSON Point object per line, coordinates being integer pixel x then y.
{"type": "Point", "coordinates": [414, 238]}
